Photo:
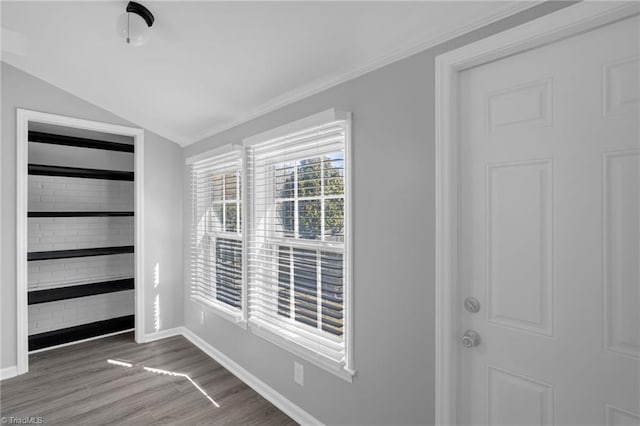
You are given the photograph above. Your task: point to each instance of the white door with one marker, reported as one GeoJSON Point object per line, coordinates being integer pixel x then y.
{"type": "Point", "coordinates": [549, 233]}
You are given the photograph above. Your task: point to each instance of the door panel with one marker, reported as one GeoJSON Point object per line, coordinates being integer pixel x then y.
{"type": "Point", "coordinates": [521, 107]}
{"type": "Point", "coordinates": [550, 233]}
{"type": "Point", "coordinates": [620, 86]}
{"type": "Point", "coordinates": [519, 284]}
{"type": "Point", "coordinates": [513, 399]}
{"type": "Point", "coordinates": [620, 195]}
{"type": "Point", "coordinates": [619, 417]}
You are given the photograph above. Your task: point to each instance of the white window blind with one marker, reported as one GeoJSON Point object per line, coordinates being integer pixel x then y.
{"type": "Point", "coordinates": [297, 258]}
{"type": "Point", "coordinates": [216, 272]}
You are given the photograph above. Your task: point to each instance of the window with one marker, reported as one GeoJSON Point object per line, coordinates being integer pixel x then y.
{"type": "Point", "coordinates": [298, 257]}
{"type": "Point", "coordinates": [309, 200]}
{"type": "Point", "coordinates": [217, 251]}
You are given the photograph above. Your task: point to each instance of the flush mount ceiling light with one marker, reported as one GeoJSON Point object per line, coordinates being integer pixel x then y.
{"type": "Point", "coordinates": [135, 24]}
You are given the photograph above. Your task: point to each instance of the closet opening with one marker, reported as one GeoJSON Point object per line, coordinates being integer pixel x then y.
{"type": "Point", "coordinates": [79, 203]}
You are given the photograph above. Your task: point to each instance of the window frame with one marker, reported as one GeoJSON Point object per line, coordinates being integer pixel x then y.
{"type": "Point", "coordinates": [237, 316]}
{"type": "Point", "coordinates": [276, 334]}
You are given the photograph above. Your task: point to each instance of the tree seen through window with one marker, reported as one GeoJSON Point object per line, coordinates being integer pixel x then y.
{"type": "Point", "coordinates": [310, 205]}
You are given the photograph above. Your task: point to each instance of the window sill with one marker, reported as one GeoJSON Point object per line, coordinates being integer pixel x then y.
{"type": "Point", "coordinates": [221, 311]}
{"type": "Point", "coordinates": [337, 369]}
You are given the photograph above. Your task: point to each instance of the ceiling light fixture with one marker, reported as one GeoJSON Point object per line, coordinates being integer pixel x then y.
{"type": "Point", "coordinates": [134, 25]}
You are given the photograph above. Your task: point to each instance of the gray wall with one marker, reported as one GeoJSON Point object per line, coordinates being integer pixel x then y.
{"type": "Point", "coordinates": [393, 110]}
{"type": "Point", "coordinates": [394, 256]}
{"type": "Point", "coordinates": [163, 197]}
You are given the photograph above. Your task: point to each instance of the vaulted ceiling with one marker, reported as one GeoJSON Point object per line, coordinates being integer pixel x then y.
{"type": "Point", "coordinates": [211, 65]}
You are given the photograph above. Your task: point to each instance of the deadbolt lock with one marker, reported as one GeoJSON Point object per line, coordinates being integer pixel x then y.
{"type": "Point", "coordinates": [471, 304]}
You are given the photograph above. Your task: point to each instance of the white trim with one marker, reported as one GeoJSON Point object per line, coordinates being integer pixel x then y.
{"type": "Point", "coordinates": [140, 281]}
{"type": "Point", "coordinates": [238, 317]}
{"type": "Point", "coordinates": [9, 372]}
{"type": "Point", "coordinates": [348, 247]}
{"type": "Point", "coordinates": [115, 333]}
{"type": "Point", "coordinates": [402, 52]}
{"type": "Point", "coordinates": [221, 150]}
{"type": "Point", "coordinates": [270, 394]}
{"type": "Point", "coordinates": [22, 177]}
{"type": "Point", "coordinates": [558, 25]}
{"type": "Point", "coordinates": [298, 350]}
{"type": "Point", "coordinates": [244, 230]}
{"type": "Point", "coordinates": [79, 123]}
{"type": "Point", "coordinates": [163, 334]}
{"type": "Point", "coordinates": [306, 123]}
{"type": "Point", "coordinates": [23, 117]}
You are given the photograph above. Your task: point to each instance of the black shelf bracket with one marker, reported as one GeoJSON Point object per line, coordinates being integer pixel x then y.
{"type": "Point", "coordinates": [80, 332]}
{"type": "Point", "coordinates": [52, 139]}
{"type": "Point", "coordinates": [83, 290]}
{"type": "Point", "coordinates": [46, 170]}
{"type": "Point", "coordinates": [78, 214]}
{"type": "Point", "coordinates": [65, 254]}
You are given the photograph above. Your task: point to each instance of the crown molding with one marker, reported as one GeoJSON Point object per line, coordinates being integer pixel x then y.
{"type": "Point", "coordinates": [397, 54]}
{"type": "Point", "coordinates": [406, 50]}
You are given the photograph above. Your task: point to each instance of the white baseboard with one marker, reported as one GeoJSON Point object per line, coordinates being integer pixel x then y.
{"type": "Point", "coordinates": [163, 334]}
{"type": "Point", "coordinates": [270, 394]}
{"type": "Point", "coordinates": [9, 372]}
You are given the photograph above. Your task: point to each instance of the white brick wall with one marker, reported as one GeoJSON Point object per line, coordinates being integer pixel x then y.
{"type": "Point", "coordinates": [45, 274]}
{"type": "Point", "coordinates": [50, 316]}
{"type": "Point", "coordinates": [53, 193]}
{"type": "Point", "coordinates": [66, 233]}
{"type": "Point", "coordinates": [64, 194]}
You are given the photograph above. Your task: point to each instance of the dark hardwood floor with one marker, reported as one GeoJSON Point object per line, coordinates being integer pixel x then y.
{"type": "Point", "coordinates": [76, 385]}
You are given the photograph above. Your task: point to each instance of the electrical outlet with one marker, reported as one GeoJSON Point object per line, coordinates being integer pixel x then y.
{"type": "Point", "coordinates": [298, 373]}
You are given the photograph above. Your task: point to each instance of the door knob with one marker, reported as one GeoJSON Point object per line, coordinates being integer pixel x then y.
{"type": "Point", "coordinates": [470, 339]}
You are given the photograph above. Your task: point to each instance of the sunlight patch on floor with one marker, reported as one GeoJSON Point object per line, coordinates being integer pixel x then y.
{"type": "Point", "coordinates": [165, 372]}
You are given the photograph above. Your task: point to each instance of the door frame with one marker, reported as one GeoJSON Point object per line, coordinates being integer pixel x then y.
{"type": "Point", "coordinates": [564, 23]}
{"type": "Point", "coordinates": [23, 118]}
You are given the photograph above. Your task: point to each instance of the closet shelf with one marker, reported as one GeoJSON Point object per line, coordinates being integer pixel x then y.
{"type": "Point", "coordinates": [80, 332]}
{"type": "Point", "coordinates": [47, 170]}
{"type": "Point", "coordinates": [78, 214]}
{"type": "Point", "coordinates": [64, 254]}
{"type": "Point", "coordinates": [49, 138]}
{"type": "Point", "coordinates": [82, 290]}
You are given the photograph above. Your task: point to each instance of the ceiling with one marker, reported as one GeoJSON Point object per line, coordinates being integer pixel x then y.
{"type": "Point", "coordinates": [211, 65]}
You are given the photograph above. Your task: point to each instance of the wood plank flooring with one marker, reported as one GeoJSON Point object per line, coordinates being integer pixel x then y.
{"type": "Point", "coordinates": [76, 385]}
